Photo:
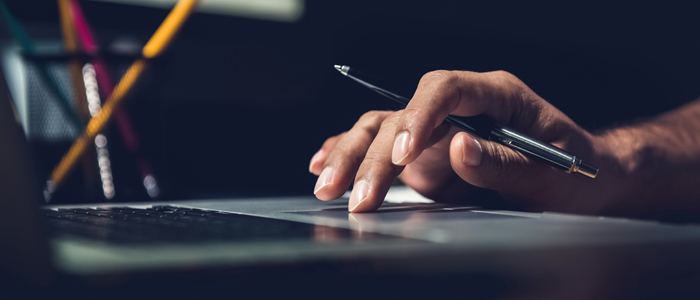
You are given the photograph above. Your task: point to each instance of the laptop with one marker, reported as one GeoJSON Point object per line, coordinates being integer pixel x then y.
{"type": "Point", "coordinates": [287, 246]}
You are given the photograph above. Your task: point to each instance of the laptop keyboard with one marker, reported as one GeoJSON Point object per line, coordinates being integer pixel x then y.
{"type": "Point", "coordinates": [165, 223]}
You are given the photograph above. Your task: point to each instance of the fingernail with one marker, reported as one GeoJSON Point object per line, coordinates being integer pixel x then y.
{"type": "Point", "coordinates": [314, 159]}
{"type": "Point", "coordinates": [400, 150]}
{"type": "Point", "coordinates": [359, 194]}
{"type": "Point", "coordinates": [324, 179]}
{"type": "Point", "coordinates": [471, 151]}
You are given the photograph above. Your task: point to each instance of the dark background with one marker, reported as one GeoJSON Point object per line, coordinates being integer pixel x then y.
{"type": "Point", "coordinates": [237, 106]}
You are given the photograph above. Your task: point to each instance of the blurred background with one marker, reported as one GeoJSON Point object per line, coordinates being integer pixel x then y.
{"type": "Point", "coordinates": [247, 92]}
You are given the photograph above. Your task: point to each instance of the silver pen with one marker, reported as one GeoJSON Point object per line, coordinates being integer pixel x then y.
{"type": "Point", "coordinates": [487, 128]}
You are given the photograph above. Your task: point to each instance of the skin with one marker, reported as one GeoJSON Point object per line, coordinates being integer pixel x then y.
{"type": "Point", "coordinates": [644, 168]}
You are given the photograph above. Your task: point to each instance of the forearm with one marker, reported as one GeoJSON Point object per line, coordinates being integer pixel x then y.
{"type": "Point", "coordinates": [660, 160]}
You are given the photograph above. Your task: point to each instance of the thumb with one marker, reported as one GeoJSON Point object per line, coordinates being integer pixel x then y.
{"type": "Point", "coordinates": [494, 166]}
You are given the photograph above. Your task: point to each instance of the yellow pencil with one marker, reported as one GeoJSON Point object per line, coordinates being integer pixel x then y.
{"type": "Point", "coordinates": [156, 44]}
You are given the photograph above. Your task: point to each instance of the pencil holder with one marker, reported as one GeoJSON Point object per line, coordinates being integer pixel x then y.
{"type": "Point", "coordinates": [55, 94]}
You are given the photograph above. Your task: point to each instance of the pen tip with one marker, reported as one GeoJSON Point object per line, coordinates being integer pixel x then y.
{"type": "Point", "coordinates": [342, 69]}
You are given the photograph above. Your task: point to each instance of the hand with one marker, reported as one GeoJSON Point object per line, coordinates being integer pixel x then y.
{"type": "Point", "coordinates": [443, 163]}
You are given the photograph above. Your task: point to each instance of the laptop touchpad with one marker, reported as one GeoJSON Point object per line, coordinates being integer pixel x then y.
{"type": "Point", "coordinates": [427, 210]}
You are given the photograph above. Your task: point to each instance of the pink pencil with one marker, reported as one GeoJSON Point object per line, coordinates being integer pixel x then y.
{"type": "Point", "coordinates": [106, 85]}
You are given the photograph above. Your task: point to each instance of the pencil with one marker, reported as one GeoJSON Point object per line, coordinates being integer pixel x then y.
{"type": "Point", "coordinates": [155, 45]}
{"type": "Point", "coordinates": [100, 72]}
{"type": "Point", "coordinates": [70, 44]}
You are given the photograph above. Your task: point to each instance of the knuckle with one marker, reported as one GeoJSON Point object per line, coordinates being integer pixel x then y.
{"type": "Point", "coordinates": [437, 74]}
{"type": "Point", "coordinates": [331, 141]}
{"type": "Point", "coordinates": [349, 155]}
{"type": "Point", "coordinates": [373, 117]}
{"type": "Point", "coordinates": [446, 82]}
{"type": "Point", "coordinates": [441, 77]}
{"type": "Point", "coordinates": [369, 123]}
{"type": "Point", "coordinates": [418, 120]}
{"type": "Point", "coordinates": [505, 76]}
{"type": "Point", "coordinates": [508, 78]}
{"type": "Point", "coordinates": [409, 115]}
{"type": "Point", "coordinates": [339, 136]}
{"type": "Point", "coordinates": [375, 164]}
{"type": "Point", "coordinates": [504, 163]}
{"type": "Point", "coordinates": [371, 159]}
{"type": "Point", "coordinates": [498, 160]}
{"type": "Point", "coordinates": [392, 119]}
{"type": "Point", "coordinates": [502, 74]}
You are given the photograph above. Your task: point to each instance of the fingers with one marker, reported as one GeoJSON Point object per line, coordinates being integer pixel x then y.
{"type": "Point", "coordinates": [316, 164]}
{"type": "Point", "coordinates": [494, 166]}
{"type": "Point", "coordinates": [441, 93]}
{"type": "Point", "coordinates": [375, 150]}
{"type": "Point", "coordinates": [376, 173]}
{"type": "Point", "coordinates": [340, 156]}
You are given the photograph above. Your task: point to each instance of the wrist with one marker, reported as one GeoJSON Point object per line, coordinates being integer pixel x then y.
{"type": "Point", "coordinates": [635, 178]}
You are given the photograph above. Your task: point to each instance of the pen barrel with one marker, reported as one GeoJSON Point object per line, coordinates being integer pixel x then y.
{"type": "Point", "coordinates": [480, 125]}
{"type": "Point", "coordinates": [548, 153]}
